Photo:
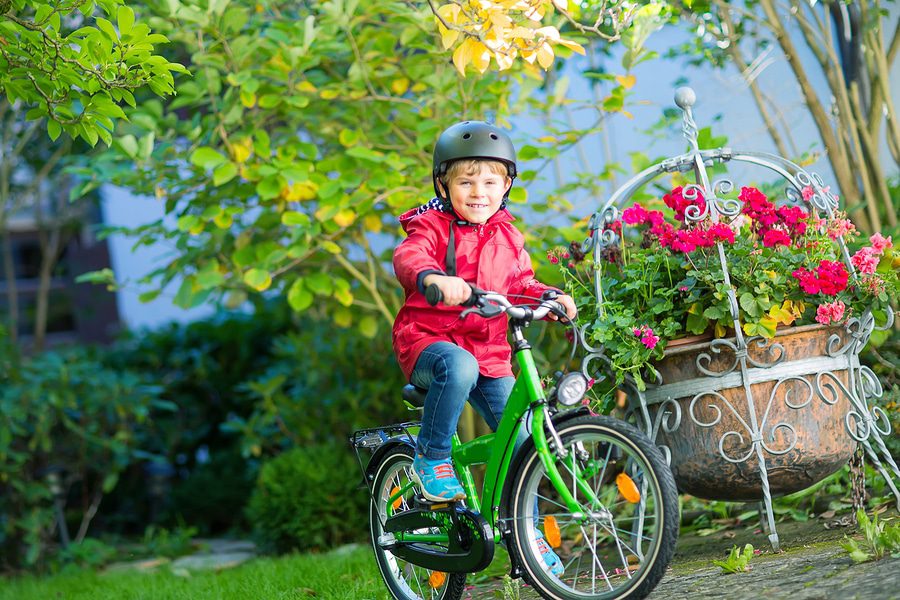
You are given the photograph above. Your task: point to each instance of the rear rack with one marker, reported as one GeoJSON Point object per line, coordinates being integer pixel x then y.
{"type": "Point", "coordinates": [372, 439]}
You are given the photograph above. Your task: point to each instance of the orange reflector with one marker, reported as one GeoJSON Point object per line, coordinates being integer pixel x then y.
{"type": "Point", "coordinates": [399, 499]}
{"type": "Point", "coordinates": [436, 579]}
{"type": "Point", "coordinates": [627, 488]}
{"type": "Point", "coordinates": [551, 532]}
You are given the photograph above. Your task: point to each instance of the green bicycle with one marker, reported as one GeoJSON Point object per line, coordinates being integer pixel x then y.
{"type": "Point", "coordinates": [595, 488]}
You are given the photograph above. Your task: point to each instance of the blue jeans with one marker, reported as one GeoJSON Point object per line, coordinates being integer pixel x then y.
{"type": "Point", "coordinates": [451, 376]}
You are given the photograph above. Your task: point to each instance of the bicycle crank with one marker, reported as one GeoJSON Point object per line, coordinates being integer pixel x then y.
{"type": "Point", "coordinates": [471, 541]}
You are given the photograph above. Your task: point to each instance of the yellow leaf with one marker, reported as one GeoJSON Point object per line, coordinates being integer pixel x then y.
{"type": "Point", "coordinates": [481, 57]}
{"type": "Point", "coordinates": [450, 13]}
{"type": "Point", "coordinates": [223, 220]}
{"type": "Point", "coordinates": [345, 218]}
{"type": "Point", "coordinates": [372, 223]}
{"type": "Point", "coordinates": [298, 192]}
{"type": "Point", "coordinates": [331, 247]}
{"type": "Point", "coordinates": [329, 94]}
{"type": "Point", "coordinates": [626, 81]}
{"type": "Point", "coordinates": [248, 99]}
{"type": "Point", "coordinates": [720, 330]}
{"type": "Point", "coordinates": [345, 297]}
{"type": "Point", "coordinates": [305, 86]}
{"type": "Point", "coordinates": [448, 36]}
{"type": "Point", "coordinates": [545, 56]}
{"type": "Point", "coordinates": [399, 86]}
{"type": "Point", "coordinates": [574, 46]}
{"type": "Point", "coordinates": [462, 56]}
{"type": "Point", "coordinates": [535, 12]}
{"type": "Point", "coordinates": [241, 150]}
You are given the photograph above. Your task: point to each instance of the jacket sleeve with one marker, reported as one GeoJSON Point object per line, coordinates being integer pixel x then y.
{"type": "Point", "coordinates": [417, 255]}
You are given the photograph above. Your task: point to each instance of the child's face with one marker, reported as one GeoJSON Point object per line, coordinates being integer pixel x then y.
{"type": "Point", "coordinates": [477, 197]}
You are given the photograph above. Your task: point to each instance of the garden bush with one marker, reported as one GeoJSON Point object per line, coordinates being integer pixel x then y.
{"type": "Point", "coordinates": [68, 415]}
{"type": "Point", "coordinates": [309, 499]}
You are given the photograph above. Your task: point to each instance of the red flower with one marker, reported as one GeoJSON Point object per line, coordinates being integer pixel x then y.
{"type": "Point", "coordinates": [678, 203]}
{"type": "Point", "coordinates": [832, 276]}
{"type": "Point", "coordinates": [775, 237]}
{"type": "Point", "coordinates": [721, 232]}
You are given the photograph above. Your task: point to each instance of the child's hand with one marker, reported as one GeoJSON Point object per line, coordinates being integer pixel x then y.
{"type": "Point", "coordinates": [569, 305]}
{"type": "Point", "coordinates": [455, 290]}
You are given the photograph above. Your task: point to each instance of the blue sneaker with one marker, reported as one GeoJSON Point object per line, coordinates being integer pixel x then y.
{"type": "Point", "coordinates": [551, 559]}
{"type": "Point", "coordinates": [437, 479]}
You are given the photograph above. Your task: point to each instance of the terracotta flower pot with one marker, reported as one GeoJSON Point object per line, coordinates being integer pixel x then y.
{"type": "Point", "coordinates": [716, 419]}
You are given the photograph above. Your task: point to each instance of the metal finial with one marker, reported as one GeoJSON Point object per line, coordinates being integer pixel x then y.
{"type": "Point", "coordinates": [685, 97]}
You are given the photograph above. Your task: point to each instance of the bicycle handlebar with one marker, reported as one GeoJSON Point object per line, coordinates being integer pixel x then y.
{"type": "Point", "coordinates": [490, 304]}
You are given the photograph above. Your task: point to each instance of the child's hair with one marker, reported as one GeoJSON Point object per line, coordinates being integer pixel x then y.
{"type": "Point", "coordinates": [471, 166]}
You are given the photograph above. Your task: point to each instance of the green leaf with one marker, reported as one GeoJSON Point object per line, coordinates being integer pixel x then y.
{"type": "Point", "coordinates": [224, 173]}
{"type": "Point", "coordinates": [299, 297]}
{"type": "Point", "coordinates": [368, 327]}
{"type": "Point", "coordinates": [258, 279]}
{"type": "Point", "coordinates": [125, 20]}
{"type": "Point", "coordinates": [518, 195]}
{"type": "Point", "coordinates": [207, 158]}
{"type": "Point", "coordinates": [107, 28]}
{"type": "Point", "coordinates": [269, 187]}
{"type": "Point", "coordinates": [53, 129]}
{"type": "Point", "coordinates": [320, 283]}
{"type": "Point", "coordinates": [293, 218]}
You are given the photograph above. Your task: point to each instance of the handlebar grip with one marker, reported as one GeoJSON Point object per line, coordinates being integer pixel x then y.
{"type": "Point", "coordinates": [433, 295]}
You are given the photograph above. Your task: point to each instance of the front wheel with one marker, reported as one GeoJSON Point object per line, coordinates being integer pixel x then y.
{"type": "Point", "coordinates": [622, 542]}
{"type": "Point", "coordinates": [393, 492]}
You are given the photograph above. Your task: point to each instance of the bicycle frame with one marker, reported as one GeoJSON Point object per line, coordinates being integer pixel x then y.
{"type": "Point", "coordinates": [496, 450]}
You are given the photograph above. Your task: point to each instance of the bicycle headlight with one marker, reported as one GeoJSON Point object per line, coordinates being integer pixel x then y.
{"type": "Point", "coordinates": [571, 389]}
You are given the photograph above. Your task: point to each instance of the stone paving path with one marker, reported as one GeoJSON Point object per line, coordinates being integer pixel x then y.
{"type": "Point", "coordinates": [813, 567]}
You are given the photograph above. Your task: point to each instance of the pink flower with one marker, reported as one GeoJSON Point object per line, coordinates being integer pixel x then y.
{"type": "Point", "coordinates": [881, 243]}
{"type": "Point", "coordinates": [808, 192]}
{"type": "Point", "coordinates": [635, 215]}
{"type": "Point", "coordinates": [874, 285]}
{"type": "Point", "coordinates": [808, 282]}
{"type": "Point", "coordinates": [840, 228]}
{"type": "Point", "coordinates": [831, 312]}
{"type": "Point", "coordinates": [553, 260]}
{"type": "Point", "coordinates": [775, 237]}
{"type": "Point", "coordinates": [648, 338]}
{"type": "Point", "coordinates": [650, 341]}
{"type": "Point", "coordinates": [866, 260]}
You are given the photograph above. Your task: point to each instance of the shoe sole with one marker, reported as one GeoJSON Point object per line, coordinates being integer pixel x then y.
{"type": "Point", "coordinates": [456, 498]}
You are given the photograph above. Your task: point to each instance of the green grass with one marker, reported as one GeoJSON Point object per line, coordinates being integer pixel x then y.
{"type": "Point", "coordinates": [350, 576]}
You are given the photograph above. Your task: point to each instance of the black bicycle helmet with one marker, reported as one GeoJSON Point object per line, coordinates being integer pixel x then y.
{"type": "Point", "coordinates": [472, 139]}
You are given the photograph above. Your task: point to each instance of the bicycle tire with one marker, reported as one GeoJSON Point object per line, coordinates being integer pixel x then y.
{"type": "Point", "coordinates": [403, 579]}
{"type": "Point", "coordinates": [652, 546]}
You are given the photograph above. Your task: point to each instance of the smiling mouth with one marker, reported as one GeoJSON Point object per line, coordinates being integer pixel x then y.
{"type": "Point", "coordinates": [477, 205]}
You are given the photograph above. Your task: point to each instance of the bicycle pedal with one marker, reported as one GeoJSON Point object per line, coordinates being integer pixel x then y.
{"type": "Point", "coordinates": [423, 503]}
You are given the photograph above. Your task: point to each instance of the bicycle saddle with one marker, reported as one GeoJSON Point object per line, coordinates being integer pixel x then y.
{"type": "Point", "coordinates": [414, 396]}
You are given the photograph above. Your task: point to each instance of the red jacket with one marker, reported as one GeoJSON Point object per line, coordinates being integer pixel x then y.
{"type": "Point", "coordinates": [491, 256]}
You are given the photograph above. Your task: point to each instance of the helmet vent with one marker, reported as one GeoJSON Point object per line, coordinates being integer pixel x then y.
{"type": "Point", "coordinates": [467, 136]}
{"type": "Point", "coordinates": [494, 136]}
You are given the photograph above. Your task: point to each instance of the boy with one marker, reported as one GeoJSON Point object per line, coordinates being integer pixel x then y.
{"type": "Point", "coordinates": [465, 235]}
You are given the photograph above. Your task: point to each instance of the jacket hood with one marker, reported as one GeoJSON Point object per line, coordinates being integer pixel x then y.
{"type": "Point", "coordinates": [433, 210]}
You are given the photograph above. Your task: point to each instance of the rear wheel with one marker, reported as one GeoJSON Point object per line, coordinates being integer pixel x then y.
{"type": "Point", "coordinates": [405, 580]}
{"type": "Point", "coordinates": [621, 547]}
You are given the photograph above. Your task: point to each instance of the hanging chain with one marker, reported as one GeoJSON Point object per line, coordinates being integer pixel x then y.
{"type": "Point", "coordinates": [858, 481]}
